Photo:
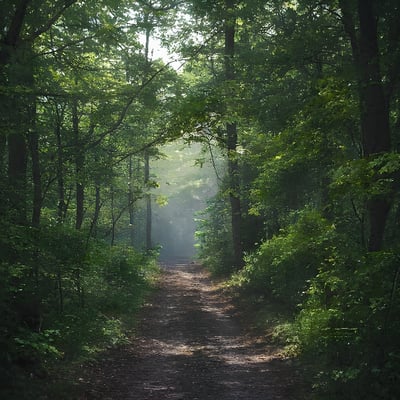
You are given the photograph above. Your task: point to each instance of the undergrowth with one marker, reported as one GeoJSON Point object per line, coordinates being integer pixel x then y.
{"type": "Point", "coordinates": [331, 305]}
{"type": "Point", "coordinates": [64, 298]}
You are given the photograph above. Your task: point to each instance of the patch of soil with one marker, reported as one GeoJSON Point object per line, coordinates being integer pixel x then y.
{"type": "Point", "coordinates": [191, 346]}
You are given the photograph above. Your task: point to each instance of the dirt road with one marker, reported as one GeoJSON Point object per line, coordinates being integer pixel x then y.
{"type": "Point", "coordinates": [191, 347]}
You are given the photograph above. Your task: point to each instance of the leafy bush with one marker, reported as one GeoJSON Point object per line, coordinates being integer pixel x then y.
{"type": "Point", "coordinates": [63, 296]}
{"type": "Point", "coordinates": [215, 238]}
{"type": "Point", "coordinates": [282, 266]}
{"type": "Point", "coordinates": [349, 326]}
{"type": "Point", "coordinates": [347, 304]}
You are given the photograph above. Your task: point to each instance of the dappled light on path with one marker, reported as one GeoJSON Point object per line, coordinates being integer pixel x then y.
{"type": "Point", "coordinates": [190, 346]}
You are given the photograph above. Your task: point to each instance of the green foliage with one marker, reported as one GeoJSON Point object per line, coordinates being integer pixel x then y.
{"type": "Point", "coordinates": [281, 267]}
{"type": "Point", "coordinates": [313, 186]}
{"type": "Point", "coordinates": [214, 238]}
{"type": "Point", "coordinates": [64, 297]}
{"type": "Point", "coordinates": [123, 276]}
{"type": "Point", "coordinates": [346, 302]}
{"type": "Point", "coordinates": [365, 179]}
{"type": "Point", "coordinates": [348, 326]}
{"type": "Point", "coordinates": [79, 78]}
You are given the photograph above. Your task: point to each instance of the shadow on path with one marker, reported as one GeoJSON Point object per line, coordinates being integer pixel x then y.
{"type": "Point", "coordinates": [189, 346]}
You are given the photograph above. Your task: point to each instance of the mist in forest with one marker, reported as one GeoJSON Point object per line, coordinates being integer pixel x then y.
{"type": "Point", "coordinates": [186, 180]}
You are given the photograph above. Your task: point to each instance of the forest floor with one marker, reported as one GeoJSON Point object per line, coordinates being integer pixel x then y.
{"type": "Point", "coordinates": [190, 344]}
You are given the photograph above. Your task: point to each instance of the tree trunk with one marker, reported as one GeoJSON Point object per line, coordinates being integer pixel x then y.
{"type": "Point", "coordinates": [79, 166]}
{"type": "Point", "coordinates": [130, 203]}
{"type": "Point", "coordinates": [62, 205]}
{"type": "Point", "coordinates": [113, 218]}
{"type": "Point", "coordinates": [374, 107]}
{"type": "Point", "coordinates": [17, 167]}
{"type": "Point", "coordinates": [148, 200]}
{"type": "Point", "coordinates": [231, 132]}
{"type": "Point", "coordinates": [36, 178]}
{"type": "Point", "coordinates": [3, 169]}
{"type": "Point", "coordinates": [148, 239]}
{"type": "Point", "coordinates": [80, 198]}
{"type": "Point", "coordinates": [96, 214]}
{"type": "Point", "coordinates": [12, 38]}
{"type": "Point", "coordinates": [21, 120]}
{"type": "Point", "coordinates": [60, 291]}
{"type": "Point", "coordinates": [375, 127]}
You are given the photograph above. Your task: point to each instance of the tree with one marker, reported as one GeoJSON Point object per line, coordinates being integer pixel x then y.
{"type": "Point", "coordinates": [361, 21]}
{"type": "Point", "coordinates": [21, 27]}
{"type": "Point", "coordinates": [232, 137]}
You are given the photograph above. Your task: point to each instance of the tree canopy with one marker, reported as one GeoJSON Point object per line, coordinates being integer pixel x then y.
{"type": "Point", "coordinates": [295, 105]}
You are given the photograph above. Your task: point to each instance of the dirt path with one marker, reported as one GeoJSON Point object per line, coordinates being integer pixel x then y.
{"type": "Point", "coordinates": [191, 347]}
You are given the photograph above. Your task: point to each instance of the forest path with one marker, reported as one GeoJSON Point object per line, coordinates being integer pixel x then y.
{"type": "Point", "coordinates": [190, 346]}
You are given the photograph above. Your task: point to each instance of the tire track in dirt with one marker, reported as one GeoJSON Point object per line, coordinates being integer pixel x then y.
{"type": "Point", "coordinates": [191, 347]}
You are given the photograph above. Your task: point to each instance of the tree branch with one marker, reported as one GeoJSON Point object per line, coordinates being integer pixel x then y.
{"type": "Point", "coordinates": [349, 27]}
{"type": "Point", "coordinates": [65, 46]}
{"type": "Point", "coordinates": [13, 34]}
{"type": "Point", "coordinates": [14, 31]}
{"type": "Point", "coordinates": [393, 49]}
{"type": "Point", "coordinates": [57, 14]}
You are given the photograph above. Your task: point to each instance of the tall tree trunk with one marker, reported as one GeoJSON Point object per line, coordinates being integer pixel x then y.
{"type": "Point", "coordinates": [17, 168]}
{"type": "Point", "coordinates": [96, 214]}
{"type": "Point", "coordinates": [97, 202]}
{"type": "Point", "coordinates": [375, 125]}
{"type": "Point", "coordinates": [113, 218]}
{"type": "Point", "coordinates": [36, 178]}
{"type": "Point", "coordinates": [79, 166]}
{"type": "Point", "coordinates": [80, 195]}
{"type": "Point", "coordinates": [3, 169]}
{"type": "Point", "coordinates": [232, 138]}
{"type": "Point", "coordinates": [12, 38]}
{"type": "Point", "coordinates": [148, 28]}
{"type": "Point", "coordinates": [20, 120]}
{"type": "Point", "coordinates": [374, 107]}
{"type": "Point", "coordinates": [62, 204]}
{"type": "Point", "coordinates": [148, 200]}
{"type": "Point", "coordinates": [60, 291]}
{"type": "Point", "coordinates": [130, 203]}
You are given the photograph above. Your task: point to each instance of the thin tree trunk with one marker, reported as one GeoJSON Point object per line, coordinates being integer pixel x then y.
{"type": "Point", "coordinates": [113, 219]}
{"type": "Point", "coordinates": [96, 214]}
{"type": "Point", "coordinates": [232, 138]}
{"type": "Point", "coordinates": [80, 191]}
{"type": "Point", "coordinates": [36, 178]}
{"type": "Point", "coordinates": [60, 292]}
{"type": "Point", "coordinates": [79, 166]}
{"type": "Point", "coordinates": [130, 203]}
{"type": "Point", "coordinates": [80, 198]}
{"type": "Point", "coordinates": [3, 169]}
{"type": "Point", "coordinates": [79, 287]}
{"type": "Point", "coordinates": [148, 29]}
{"type": "Point", "coordinates": [17, 168]}
{"type": "Point", "coordinates": [3, 147]}
{"type": "Point", "coordinates": [62, 205]}
{"type": "Point", "coordinates": [148, 201]}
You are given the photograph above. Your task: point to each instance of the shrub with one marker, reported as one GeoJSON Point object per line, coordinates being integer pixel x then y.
{"type": "Point", "coordinates": [63, 296]}
{"type": "Point", "coordinates": [349, 326]}
{"type": "Point", "coordinates": [215, 239]}
{"type": "Point", "coordinates": [282, 267]}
